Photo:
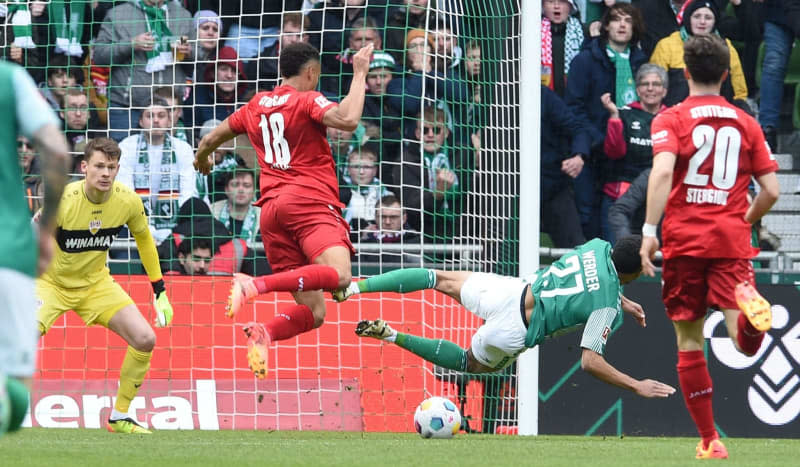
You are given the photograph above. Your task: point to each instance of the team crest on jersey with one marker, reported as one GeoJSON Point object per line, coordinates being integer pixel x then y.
{"type": "Point", "coordinates": [94, 225]}
{"type": "Point", "coordinates": [322, 101]}
{"type": "Point", "coordinates": [635, 125]}
{"type": "Point", "coordinates": [605, 334]}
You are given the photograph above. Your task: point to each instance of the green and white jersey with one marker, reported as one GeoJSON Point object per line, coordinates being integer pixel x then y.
{"type": "Point", "coordinates": [23, 111]}
{"type": "Point", "coordinates": [581, 288]}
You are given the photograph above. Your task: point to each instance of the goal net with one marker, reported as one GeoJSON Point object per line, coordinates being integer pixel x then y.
{"type": "Point", "coordinates": [429, 178]}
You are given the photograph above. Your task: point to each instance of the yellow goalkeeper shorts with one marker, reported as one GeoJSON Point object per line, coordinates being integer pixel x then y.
{"type": "Point", "coordinates": [96, 304]}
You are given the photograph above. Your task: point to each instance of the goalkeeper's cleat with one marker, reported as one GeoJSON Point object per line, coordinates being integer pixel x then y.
{"type": "Point", "coordinates": [257, 341]}
{"type": "Point", "coordinates": [715, 450]}
{"type": "Point", "coordinates": [377, 329]}
{"type": "Point", "coordinates": [340, 295]}
{"type": "Point", "coordinates": [127, 425]}
{"type": "Point", "coordinates": [242, 289]}
{"type": "Point", "coordinates": [755, 308]}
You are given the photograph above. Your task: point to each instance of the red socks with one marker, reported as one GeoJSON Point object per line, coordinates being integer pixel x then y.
{"type": "Point", "coordinates": [296, 320]}
{"type": "Point", "coordinates": [311, 277]}
{"type": "Point", "coordinates": [747, 336]}
{"type": "Point", "coordinates": [697, 391]}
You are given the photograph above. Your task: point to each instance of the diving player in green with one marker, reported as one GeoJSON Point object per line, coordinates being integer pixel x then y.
{"type": "Point", "coordinates": [582, 288]}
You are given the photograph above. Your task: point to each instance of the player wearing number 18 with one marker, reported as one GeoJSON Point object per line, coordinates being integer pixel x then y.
{"type": "Point", "coordinates": [706, 152]}
{"type": "Point", "coordinates": [304, 234]}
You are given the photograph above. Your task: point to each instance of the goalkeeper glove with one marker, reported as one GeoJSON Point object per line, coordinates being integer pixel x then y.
{"type": "Point", "coordinates": [161, 304]}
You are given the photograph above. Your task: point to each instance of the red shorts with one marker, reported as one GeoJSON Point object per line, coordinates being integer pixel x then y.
{"type": "Point", "coordinates": [296, 230]}
{"type": "Point", "coordinates": [693, 285]}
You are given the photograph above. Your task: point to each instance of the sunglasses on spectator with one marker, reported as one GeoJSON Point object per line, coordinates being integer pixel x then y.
{"type": "Point", "coordinates": [437, 130]}
{"type": "Point", "coordinates": [23, 143]}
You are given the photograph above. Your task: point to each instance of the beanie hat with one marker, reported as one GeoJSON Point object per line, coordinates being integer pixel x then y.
{"type": "Point", "coordinates": [415, 33]}
{"type": "Point", "coordinates": [694, 6]}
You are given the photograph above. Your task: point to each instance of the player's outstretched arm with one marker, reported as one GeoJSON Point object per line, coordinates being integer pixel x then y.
{"type": "Point", "coordinates": [52, 147]}
{"type": "Point", "coordinates": [210, 142]}
{"type": "Point", "coordinates": [347, 114]}
{"type": "Point", "coordinates": [770, 190]}
{"type": "Point", "coordinates": [594, 363]}
{"type": "Point", "coordinates": [658, 187]}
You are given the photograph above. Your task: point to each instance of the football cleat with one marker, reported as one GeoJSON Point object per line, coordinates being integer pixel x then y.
{"type": "Point", "coordinates": [755, 307]}
{"type": "Point", "coordinates": [377, 329]}
{"type": "Point", "coordinates": [257, 341]}
{"type": "Point", "coordinates": [715, 450]}
{"type": "Point", "coordinates": [340, 295]}
{"type": "Point", "coordinates": [127, 425]}
{"type": "Point", "coordinates": [242, 290]}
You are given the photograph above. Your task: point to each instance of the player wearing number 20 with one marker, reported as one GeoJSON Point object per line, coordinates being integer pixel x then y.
{"type": "Point", "coordinates": [706, 152]}
{"type": "Point", "coordinates": [304, 234]}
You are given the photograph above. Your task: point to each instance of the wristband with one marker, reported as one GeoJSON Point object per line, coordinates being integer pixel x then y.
{"type": "Point", "coordinates": [649, 230]}
{"type": "Point", "coordinates": [158, 287]}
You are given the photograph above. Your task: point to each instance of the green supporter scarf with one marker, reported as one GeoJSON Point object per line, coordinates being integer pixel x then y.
{"type": "Point", "coordinates": [21, 24]}
{"type": "Point", "coordinates": [249, 225]}
{"type": "Point", "coordinates": [161, 55]}
{"type": "Point", "coordinates": [163, 212]}
{"type": "Point", "coordinates": [68, 28]}
{"type": "Point", "coordinates": [625, 86]}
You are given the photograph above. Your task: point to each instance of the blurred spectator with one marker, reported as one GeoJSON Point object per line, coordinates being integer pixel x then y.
{"type": "Point", "coordinates": [61, 75]}
{"type": "Point", "coordinates": [294, 28]}
{"type": "Point", "coordinates": [472, 69]}
{"type": "Point", "coordinates": [332, 20]}
{"type": "Point", "coordinates": [378, 112]}
{"type": "Point", "coordinates": [565, 142]}
{"type": "Point", "coordinates": [208, 27]}
{"type": "Point", "coordinates": [660, 20]}
{"type": "Point", "coordinates": [226, 84]}
{"type": "Point", "coordinates": [699, 18]}
{"type": "Point", "coordinates": [29, 163]}
{"type": "Point", "coordinates": [361, 189]}
{"type": "Point", "coordinates": [77, 129]}
{"type": "Point", "coordinates": [211, 187]}
{"type": "Point", "coordinates": [251, 26]}
{"type": "Point", "coordinates": [779, 37]}
{"type": "Point", "coordinates": [626, 215]}
{"type": "Point", "coordinates": [194, 257]}
{"type": "Point", "coordinates": [562, 37]}
{"type": "Point", "coordinates": [178, 128]}
{"type": "Point", "coordinates": [343, 142]}
{"type": "Point", "coordinates": [338, 69]}
{"type": "Point", "coordinates": [628, 145]}
{"type": "Point", "coordinates": [392, 228]}
{"type": "Point", "coordinates": [141, 41]}
{"type": "Point", "coordinates": [26, 36]}
{"type": "Point", "coordinates": [607, 64]}
{"type": "Point", "coordinates": [431, 191]}
{"type": "Point", "coordinates": [67, 20]}
{"type": "Point", "coordinates": [159, 167]}
{"type": "Point", "coordinates": [403, 16]}
{"type": "Point", "coordinates": [445, 42]}
{"type": "Point", "coordinates": [236, 211]}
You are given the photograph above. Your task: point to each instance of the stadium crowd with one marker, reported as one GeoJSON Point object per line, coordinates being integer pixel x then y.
{"type": "Point", "coordinates": [158, 75]}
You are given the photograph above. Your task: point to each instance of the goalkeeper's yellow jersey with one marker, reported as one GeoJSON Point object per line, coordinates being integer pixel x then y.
{"type": "Point", "coordinates": [85, 230]}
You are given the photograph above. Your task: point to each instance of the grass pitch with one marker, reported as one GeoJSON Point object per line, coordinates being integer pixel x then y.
{"type": "Point", "coordinates": [66, 447]}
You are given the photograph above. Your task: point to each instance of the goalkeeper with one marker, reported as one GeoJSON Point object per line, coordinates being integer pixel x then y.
{"type": "Point", "coordinates": [91, 214]}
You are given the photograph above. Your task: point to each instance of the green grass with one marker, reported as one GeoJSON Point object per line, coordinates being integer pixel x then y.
{"type": "Point", "coordinates": [61, 448]}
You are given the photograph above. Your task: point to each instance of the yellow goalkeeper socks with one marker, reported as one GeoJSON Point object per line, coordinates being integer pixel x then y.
{"type": "Point", "coordinates": [131, 375]}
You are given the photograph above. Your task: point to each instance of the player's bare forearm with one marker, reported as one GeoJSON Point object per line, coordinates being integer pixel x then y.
{"type": "Point", "coordinates": [147, 251]}
{"type": "Point", "coordinates": [52, 147]}
{"type": "Point", "coordinates": [658, 186]}
{"type": "Point", "coordinates": [594, 364]}
{"type": "Point", "coordinates": [766, 198]}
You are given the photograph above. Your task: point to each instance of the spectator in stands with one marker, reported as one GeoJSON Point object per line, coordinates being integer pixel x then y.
{"type": "Point", "coordinates": [431, 187]}
{"type": "Point", "coordinates": [159, 167]}
{"type": "Point", "coordinates": [565, 141]}
{"type": "Point", "coordinates": [562, 37]}
{"type": "Point", "coordinates": [607, 64]}
{"type": "Point", "coordinates": [294, 28]}
{"type": "Point", "coordinates": [208, 26]}
{"type": "Point", "coordinates": [392, 228]}
{"type": "Point", "coordinates": [251, 26]}
{"type": "Point", "coordinates": [31, 176]}
{"type": "Point", "coordinates": [137, 40]}
{"type": "Point", "coordinates": [700, 19]}
{"type": "Point", "coordinates": [628, 147]}
{"type": "Point", "coordinates": [445, 43]}
{"type": "Point", "coordinates": [61, 75]}
{"type": "Point", "coordinates": [660, 20]}
{"type": "Point", "coordinates": [332, 20]}
{"type": "Point", "coordinates": [26, 36]}
{"type": "Point", "coordinates": [403, 16]}
{"type": "Point", "coordinates": [211, 187]}
{"type": "Point", "coordinates": [472, 69]}
{"type": "Point", "coordinates": [226, 84]}
{"type": "Point", "coordinates": [194, 257]}
{"type": "Point", "coordinates": [77, 129]}
{"type": "Point", "coordinates": [337, 69]}
{"type": "Point", "coordinates": [626, 214]}
{"type": "Point", "coordinates": [343, 143]}
{"type": "Point", "coordinates": [236, 211]}
{"type": "Point", "coordinates": [178, 128]}
{"type": "Point", "coordinates": [378, 112]}
{"type": "Point", "coordinates": [361, 189]}
{"type": "Point", "coordinates": [779, 37]}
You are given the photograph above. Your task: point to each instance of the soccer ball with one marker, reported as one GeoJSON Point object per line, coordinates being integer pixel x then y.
{"type": "Point", "coordinates": [437, 417]}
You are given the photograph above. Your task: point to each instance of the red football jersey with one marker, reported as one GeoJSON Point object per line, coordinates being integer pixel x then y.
{"type": "Point", "coordinates": [719, 148]}
{"type": "Point", "coordinates": [285, 128]}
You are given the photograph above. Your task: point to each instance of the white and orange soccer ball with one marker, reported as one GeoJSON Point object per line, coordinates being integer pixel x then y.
{"type": "Point", "coordinates": [437, 417]}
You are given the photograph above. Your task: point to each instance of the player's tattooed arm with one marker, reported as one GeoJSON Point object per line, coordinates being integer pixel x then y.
{"type": "Point", "coordinates": [52, 147]}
